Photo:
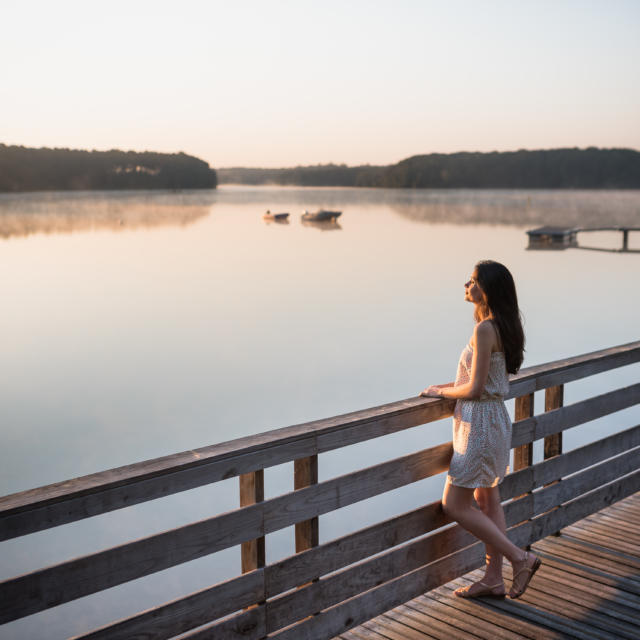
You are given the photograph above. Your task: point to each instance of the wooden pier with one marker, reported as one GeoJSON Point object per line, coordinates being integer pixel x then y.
{"type": "Point", "coordinates": [588, 587]}
{"type": "Point", "coordinates": [351, 587]}
{"type": "Point", "coordinates": [565, 238]}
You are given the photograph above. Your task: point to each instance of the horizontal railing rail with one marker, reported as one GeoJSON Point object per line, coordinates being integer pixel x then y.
{"type": "Point", "coordinates": [324, 589]}
{"type": "Point", "coordinates": [68, 501]}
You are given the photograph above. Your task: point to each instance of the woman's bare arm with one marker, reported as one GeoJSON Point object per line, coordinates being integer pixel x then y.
{"type": "Point", "coordinates": [483, 339]}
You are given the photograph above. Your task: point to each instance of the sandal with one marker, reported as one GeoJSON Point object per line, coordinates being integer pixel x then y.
{"type": "Point", "coordinates": [483, 590]}
{"type": "Point", "coordinates": [528, 569]}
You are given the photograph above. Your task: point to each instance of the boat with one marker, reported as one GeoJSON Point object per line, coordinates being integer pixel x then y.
{"type": "Point", "coordinates": [321, 215]}
{"type": "Point", "coordinates": [278, 217]}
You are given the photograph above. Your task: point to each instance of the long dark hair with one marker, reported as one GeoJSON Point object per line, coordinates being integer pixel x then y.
{"type": "Point", "coordinates": [500, 297]}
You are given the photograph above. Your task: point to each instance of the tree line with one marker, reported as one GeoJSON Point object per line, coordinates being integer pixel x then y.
{"type": "Point", "coordinates": [28, 169]}
{"type": "Point", "coordinates": [590, 168]}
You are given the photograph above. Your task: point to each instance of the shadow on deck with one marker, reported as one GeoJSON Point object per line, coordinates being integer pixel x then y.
{"type": "Point", "coordinates": [587, 587]}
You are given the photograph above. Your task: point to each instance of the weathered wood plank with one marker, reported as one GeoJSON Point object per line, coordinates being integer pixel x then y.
{"type": "Point", "coordinates": [587, 480]}
{"type": "Point", "coordinates": [578, 508]}
{"type": "Point", "coordinates": [562, 371]}
{"type": "Point", "coordinates": [567, 627]}
{"type": "Point", "coordinates": [249, 625]}
{"type": "Point", "coordinates": [346, 550]}
{"type": "Point", "coordinates": [574, 594]}
{"type": "Point", "coordinates": [574, 551]}
{"type": "Point", "coordinates": [523, 454]}
{"type": "Point", "coordinates": [424, 623]}
{"type": "Point", "coordinates": [524, 629]}
{"type": "Point", "coordinates": [63, 502]}
{"type": "Point", "coordinates": [349, 549]}
{"type": "Point", "coordinates": [454, 621]}
{"type": "Point", "coordinates": [584, 582]}
{"type": "Point", "coordinates": [356, 610]}
{"type": "Point", "coordinates": [178, 616]}
{"type": "Point", "coordinates": [615, 530]}
{"type": "Point", "coordinates": [553, 399]}
{"type": "Point", "coordinates": [356, 579]}
{"type": "Point", "coordinates": [252, 552]}
{"type": "Point", "coordinates": [570, 567]}
{"type": "Point", "coordinates": [548, 471]}
{"type": "Point", "coordinates": [75, 578]}
{"type": "Point", "coordinates": [606, 627]}
{"type": "Point", "coordinates": [380, 629]}
{"type": "Point", "coordinates": [305, 474]}
{"type": "Point", "coordinates": [572, 415]}
{"type": "Point", "coordinates": [103, 492]}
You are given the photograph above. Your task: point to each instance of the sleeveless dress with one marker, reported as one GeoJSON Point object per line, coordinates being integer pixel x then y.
{"type": "Point", "coordinates": [481, 428]}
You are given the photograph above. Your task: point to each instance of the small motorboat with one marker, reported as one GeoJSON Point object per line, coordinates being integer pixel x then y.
{"type": "Point", "coordinates": [277, 217]}
{"type": "Point", "coordinates": [322, 215]}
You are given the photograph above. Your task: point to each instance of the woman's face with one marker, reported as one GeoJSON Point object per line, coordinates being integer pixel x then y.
{"type": "Point", "coordinates": [472, 290]}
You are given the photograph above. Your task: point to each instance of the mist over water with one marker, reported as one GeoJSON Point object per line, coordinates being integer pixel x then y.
{"type": "Point", "coordinates": [143, 324]}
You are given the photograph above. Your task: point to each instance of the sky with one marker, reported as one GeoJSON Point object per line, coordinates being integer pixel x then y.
{"type": "Point", "coordinates": [282, 83]}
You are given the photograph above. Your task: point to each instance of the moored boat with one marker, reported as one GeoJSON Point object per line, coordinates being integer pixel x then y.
{"type": "Point", "coordinates": [321, 215]}
{"type": "Point", "coordinates": [279, 217]}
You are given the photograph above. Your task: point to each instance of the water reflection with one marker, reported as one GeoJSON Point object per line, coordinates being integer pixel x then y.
{"type": "Point", "coordinates": [323, 225]}
{"type": "Point", "coordinates": [67, 212]}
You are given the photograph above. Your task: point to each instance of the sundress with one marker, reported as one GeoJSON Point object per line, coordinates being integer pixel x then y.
{"type": "Point", "coordinates": [481, 427]}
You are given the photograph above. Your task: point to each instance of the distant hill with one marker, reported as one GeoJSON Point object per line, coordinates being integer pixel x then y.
{"type": "Point", "coordinates": [590, 168]}
{"type": "Point", "coordinates": [27, 169]}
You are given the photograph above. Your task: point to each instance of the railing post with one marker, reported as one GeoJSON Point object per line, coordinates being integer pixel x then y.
{"type": "Point", "coordinates": [252, 491]}
{"type": "Point", "coordinates": [523, 455]}
{"type": "Point", "coordinates": [553, 399]}
{"type": "Point", "coordinates": [305, 473]}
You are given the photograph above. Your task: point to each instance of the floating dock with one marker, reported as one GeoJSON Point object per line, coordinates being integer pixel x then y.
{"type": "Point", "coordinates": [565, 237]}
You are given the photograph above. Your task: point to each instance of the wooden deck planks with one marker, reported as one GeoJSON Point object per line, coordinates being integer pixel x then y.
{"type": "Point", "coordinates": [588, 587]}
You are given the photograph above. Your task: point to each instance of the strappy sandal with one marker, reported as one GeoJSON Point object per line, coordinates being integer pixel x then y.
{"type": "Point", "coordinates": [529, 570]}
{"type": "Point", "coordinates": [484, 591]}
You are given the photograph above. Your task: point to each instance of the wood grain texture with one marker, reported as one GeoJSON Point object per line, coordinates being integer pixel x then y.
{"type": "Point", "coordinates": [549, 471]}
{"type": "Point", "coordinates": [183, 614]}
{"type": "Point", "coordinates": [523, 454]}
{"type": "Point", "coordinates": [69, 580]}
{"type": "Point", "coordinates": [553, 399]}
{"type": "Point", "coordinates": [305, 474]}
{"type": "Point", "coordinates": [252, 552]}
{"type": "Point", "coordinates": [249, 625]}
{"type": "Point", "coordinates": [545, 424]}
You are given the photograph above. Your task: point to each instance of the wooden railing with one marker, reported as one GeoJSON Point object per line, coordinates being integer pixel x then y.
{"type": "Point", "coordinates": [324, 589]}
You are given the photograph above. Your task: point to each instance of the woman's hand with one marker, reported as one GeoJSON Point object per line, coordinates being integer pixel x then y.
{"type": "Point", "coordinates": [432, 391]}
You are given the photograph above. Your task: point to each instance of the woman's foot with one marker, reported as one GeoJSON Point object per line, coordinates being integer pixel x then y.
{"type": "Point", "coordinates": [523, 571]}
{"type": "Point", "coordinates": [481, 589]}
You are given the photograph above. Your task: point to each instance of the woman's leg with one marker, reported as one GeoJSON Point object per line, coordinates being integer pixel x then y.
{"type": "Point", "coordinates": [457, 504]}
{"type": "Point", "coordinates": [488, 499]}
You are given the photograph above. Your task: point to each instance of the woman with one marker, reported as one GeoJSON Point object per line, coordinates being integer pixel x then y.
{"type": "Point", "coordinates": [482, 428]}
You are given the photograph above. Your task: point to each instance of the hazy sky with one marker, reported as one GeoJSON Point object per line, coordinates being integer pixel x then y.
{"type": "Point", "coordinates": [279, 83]}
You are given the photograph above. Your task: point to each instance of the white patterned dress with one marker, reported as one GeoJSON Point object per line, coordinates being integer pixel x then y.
{"type": "Point", "coordinates": [481, 428]}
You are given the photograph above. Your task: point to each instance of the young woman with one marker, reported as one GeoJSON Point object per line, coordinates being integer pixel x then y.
{"type": "Point", "coordinates": [482, 428]}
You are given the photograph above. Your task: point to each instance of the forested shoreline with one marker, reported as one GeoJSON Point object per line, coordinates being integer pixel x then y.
{"type": "Point", "coordinates": [29, 169]}
{"type": "Point", "coordinates": [590, 168]}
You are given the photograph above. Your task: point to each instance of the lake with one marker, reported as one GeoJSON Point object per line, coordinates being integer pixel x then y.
{"type": "Point", "coordinates": [139, 324]}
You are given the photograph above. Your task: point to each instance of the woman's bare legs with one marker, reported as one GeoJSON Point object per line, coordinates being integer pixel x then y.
{"type": "Point", "coordinates": [488, 499]}
{"type": "Point", "coordinates": [457, 503]}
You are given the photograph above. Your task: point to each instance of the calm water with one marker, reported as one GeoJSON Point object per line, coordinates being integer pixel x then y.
{"type": "Point", "coordinates": [138, 325]}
